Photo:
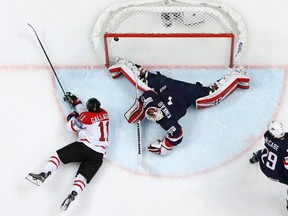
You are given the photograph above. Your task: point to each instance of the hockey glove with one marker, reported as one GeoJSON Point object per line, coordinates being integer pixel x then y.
{"type": "Point", "coordinates": [71, 99]}
{"type": "Point", "coordinates": [72, 114]}
{"type": "Point", "coordinates": [256, 157]}
{"type": "Point", "coordinates": [160, 147]}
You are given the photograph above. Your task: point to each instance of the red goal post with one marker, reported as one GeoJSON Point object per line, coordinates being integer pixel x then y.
{"type": "Point", "coordinates": [126, 30]}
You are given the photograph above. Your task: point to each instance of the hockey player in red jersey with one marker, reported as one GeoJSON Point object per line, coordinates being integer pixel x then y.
{"type": "Point", "coordinates": [91, 125]}
{"type": "Point", "coordinates": [273, 159]}
{"type": "Point", "coordinates": [166, 100]}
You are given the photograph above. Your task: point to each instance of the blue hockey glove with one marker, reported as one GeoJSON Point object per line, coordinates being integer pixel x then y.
{"type": "Point", "coordinates": [72, 114]}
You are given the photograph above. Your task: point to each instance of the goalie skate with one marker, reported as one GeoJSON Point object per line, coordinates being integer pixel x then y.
{"type": "Point", "coordinates": [224, 87]}
{"type": "Point", "coordinates": [37, 179]}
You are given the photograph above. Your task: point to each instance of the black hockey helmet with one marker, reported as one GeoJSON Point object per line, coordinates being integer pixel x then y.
{"type": "Point", "coordinates": [93, 105]}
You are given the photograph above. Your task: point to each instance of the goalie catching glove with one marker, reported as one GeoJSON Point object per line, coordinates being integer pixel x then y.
{"type": "Point", "coordinates": [160, 147]}
{"type": "Point", "coordinates": [71, 99]}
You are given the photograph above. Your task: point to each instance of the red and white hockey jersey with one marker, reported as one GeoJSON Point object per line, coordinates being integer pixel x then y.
{"type": "Point", "coordinates": [92, 128]}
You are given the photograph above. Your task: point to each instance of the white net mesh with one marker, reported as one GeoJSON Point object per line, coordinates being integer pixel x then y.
{"type": "Point", "coordinates": [167, 19]}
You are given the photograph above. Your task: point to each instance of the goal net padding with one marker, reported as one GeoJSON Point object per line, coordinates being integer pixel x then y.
{"type": "Point", "coordinates": [183, 33]}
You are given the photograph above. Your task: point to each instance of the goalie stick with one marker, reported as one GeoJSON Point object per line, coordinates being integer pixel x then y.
{"type": "Point", "coordinates": [141, 165]}
{"type": "Point", "coordinates": [43, 49]}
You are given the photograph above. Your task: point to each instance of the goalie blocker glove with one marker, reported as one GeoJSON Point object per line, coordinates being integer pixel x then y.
{"type": "Point", "coordinates": [71, 99]}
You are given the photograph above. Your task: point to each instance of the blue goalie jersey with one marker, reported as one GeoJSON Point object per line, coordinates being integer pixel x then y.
{"type": "Point", "coordinates": [173, 97]}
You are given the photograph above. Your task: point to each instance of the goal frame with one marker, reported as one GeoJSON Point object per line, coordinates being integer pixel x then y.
{"type": "Point", "coordinates": [107, 36]}
{"type": "Point", "coordinates": [236, 34]}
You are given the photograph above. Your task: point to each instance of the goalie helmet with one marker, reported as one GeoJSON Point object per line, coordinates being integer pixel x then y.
{"type": "Point", "coordinates": [93, 105]}
{"type": "Point", "coordinates": [276, 129]}
{"type": "Point", "coordinates": [154, 114]}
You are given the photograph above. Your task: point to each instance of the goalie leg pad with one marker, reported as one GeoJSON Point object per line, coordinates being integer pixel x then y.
{"type": "Point", "coordinates": [242, 78]}
{"type": "Point", "coordinates": [117, 68]}
{"type": "Point", "coordinates": [115, 72]}
{"type": "Point", "coordinates": [131, 72]}
{"type": "Point", "coordinates": [244, 84]}
{"type": "Point", "coordinates": [114, 68]}
{"type": "Point", "coordinates": [225, 87]}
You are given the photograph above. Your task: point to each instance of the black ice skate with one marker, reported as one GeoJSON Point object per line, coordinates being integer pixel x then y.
{"type": "Point", "coordinates": [253, 159]}
{"type": "Point", "coordinates": [68, 200]}
{"type": "Point", "coordinates": [37, 179]}
{"type": "Point", "coordinates": [287, 201]}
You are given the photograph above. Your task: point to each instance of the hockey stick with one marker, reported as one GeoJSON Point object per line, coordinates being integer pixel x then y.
{"type": "Point", "coordinates": [55, 74]}
{"type": "Point", "coordinates": [48, 59]}
{"type": "Point", "coordinates": [141, 165]}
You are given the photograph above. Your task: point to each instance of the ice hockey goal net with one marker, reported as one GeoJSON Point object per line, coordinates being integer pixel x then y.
{"type": "Point", "coordinates": [170, 32]}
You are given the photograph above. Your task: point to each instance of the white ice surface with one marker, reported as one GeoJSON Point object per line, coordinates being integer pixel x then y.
{"type": "Point", "coordinates": [208, 174]}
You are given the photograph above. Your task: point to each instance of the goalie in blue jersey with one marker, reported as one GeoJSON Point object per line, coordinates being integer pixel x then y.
{"type": "Point", "coordinates": [165, 100]}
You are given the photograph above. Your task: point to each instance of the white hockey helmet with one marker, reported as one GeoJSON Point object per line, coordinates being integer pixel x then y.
{"type": "Point", "coordinates": [154, 114]}
{"type": "Point", "coordinates": [276, 129]}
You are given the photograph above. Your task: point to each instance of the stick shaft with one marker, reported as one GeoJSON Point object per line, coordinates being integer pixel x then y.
{"type": "Point", "coordinates": [48, 59]}
{"type": "Point", "coordinates": [139, 142]}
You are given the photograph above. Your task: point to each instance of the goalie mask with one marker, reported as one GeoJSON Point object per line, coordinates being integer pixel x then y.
{"type": "Point", "coordinates": [154, 114]}
{"type": "Point", "coordinates": [276, 129]}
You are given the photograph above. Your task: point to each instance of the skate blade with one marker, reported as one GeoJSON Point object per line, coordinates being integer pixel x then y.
{"type": "Point", "coordinates": [30, 179]}
{"type": "Point", "coordinates": [62, 209]}
{"type": "Point", "coordinates": [65, 205]}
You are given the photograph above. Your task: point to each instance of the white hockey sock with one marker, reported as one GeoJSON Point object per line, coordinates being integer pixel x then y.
{"type": "Point", "coordinates": [52, 164]}
{"type": "Point", "coordinates": [79, 184]}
